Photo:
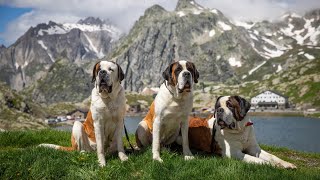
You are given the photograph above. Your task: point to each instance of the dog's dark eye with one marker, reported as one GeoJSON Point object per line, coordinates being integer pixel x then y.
{"type": "Point", "coordinates": [111, 70]}
{"type": "Point", "coordinates": [179, 68]}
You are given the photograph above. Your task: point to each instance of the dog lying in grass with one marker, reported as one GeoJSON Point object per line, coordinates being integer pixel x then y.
{"type": "Point", "coordinates": [230, 133]}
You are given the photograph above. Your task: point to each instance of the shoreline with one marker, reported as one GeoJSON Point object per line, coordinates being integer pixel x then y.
{"type": "Point", "coordinates": [257, 113]}
{"type": "Point", "coordinates": [280, 114]}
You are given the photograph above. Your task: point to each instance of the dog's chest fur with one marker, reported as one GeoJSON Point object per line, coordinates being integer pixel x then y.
{"type": "Point", "coordinates": [107, 110]}
{"type": "Point", "coordinates": [173, 112]}
{"type": "Point", "coordinates": [226, 138]}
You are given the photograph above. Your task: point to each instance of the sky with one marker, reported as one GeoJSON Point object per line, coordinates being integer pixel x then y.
{"type": "Point", "coordinates": [17, 16]}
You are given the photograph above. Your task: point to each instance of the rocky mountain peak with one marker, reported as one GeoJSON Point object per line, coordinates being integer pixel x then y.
{"type": "Point", "coordinates": [51, 23]}
{"type": "Point", "coordinates": [187, 4]}
{"type": "Point", "coordinates": [313, 14]}
{"type": "Point", "coordinates": [92, 21]}
{"type": "Point", "coordinates": [155, 10]}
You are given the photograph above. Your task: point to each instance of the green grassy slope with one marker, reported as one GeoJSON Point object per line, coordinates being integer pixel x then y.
{"type": "Point", "coordinates": [20, 159]}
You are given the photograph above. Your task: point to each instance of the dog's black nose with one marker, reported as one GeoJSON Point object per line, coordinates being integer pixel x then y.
{"type": "Point", "coordinates": [186, 74]}
{"type": "Point", "coordinates": [220, 110]}
{"type": "Point", "coordinates": [103, 72]}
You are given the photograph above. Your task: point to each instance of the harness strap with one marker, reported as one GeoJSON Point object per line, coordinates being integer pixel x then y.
{"type": "Point", "coordinates": [212, 146]}
{"type": "Point", "coordinates": [127, 136]}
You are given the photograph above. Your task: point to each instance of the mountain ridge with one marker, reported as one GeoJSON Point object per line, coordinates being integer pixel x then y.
{"type": "Point", "coordinates": [224, 50]}
{"type": "Point", "coordinates": [28, 59]}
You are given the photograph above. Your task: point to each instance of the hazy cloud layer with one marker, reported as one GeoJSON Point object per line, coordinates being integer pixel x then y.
{"type": "Point", "coordinates": [125, 12]}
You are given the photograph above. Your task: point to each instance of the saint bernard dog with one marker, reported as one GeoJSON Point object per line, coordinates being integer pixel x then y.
{"type": "Point", "coordinates": [104, 124]}
{"type": "Point", "coordinates": [170, 110]}
{"type": "Point", "coordinates": [230, 133]}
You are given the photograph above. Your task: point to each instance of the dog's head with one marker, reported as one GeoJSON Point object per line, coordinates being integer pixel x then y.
{"type": "Point", "coordinates": [229, 110]}
{"type": "Point", "coordinates": [105, 75]}
{"type": "Point", "coordinates": [182, 75]}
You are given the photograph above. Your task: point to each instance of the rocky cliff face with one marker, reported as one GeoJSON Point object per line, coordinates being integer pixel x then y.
{"type": "Point", "coordinates": [64, 81]}
{"type": "Point", "coordinates": [204, 36]}
{"type": "Point", "coordinates": [28, 59]}
{"type": "Point", "coordinates": [17, 113]}
{"type": "Point", "coordinates": [223, 50]}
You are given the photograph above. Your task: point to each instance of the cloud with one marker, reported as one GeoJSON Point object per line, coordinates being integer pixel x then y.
{"type": "Point", "coordinates": [19, 26]}
{"type": "Point", "coordinates": [121, 12]}
{"type": "Point", "coordinates": [125, 12]}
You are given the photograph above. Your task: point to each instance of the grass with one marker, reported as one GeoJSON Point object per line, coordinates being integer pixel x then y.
{"type": "Point", "coordinates": [132, 99]}
{"type": "Point", "coordinates": [20, 159]}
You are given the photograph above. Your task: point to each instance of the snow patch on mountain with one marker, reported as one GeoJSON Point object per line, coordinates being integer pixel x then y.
{"type": "Point", "coordinates": [272, 53]}
{"type": "Point", "coordinates": [91, 46]}
{"type": "Point", "coordinates": [42, 45]}
{"type": "Point", "coordinates": [212, 33]}
{"type": "Point", "coordinates": [224, 26]}
{"type": "Point", "coordinates": [46, 49]}
{"type": "Point", "coordinates": [52, 30]}
{"type": "Point", "coordinates": [67, 27]}
{"type": "Point", "coordinates": [243, 24]}
{"type": "Point", "coordinates": [253, 37]}
{"type": "Point", "coordinates": [254, 69]}
{"type": "Point", "coordinates": [279, 68]}
{"type": "Point", "coordinates": [197, 12]}
{"type": "Point", "coordinates": [214, 11]}
{"type": "Point", "coordinates": [233, 62]}
{"type": "Point", "coordinates": [181, 13]}
{"type": "Point", "coordinates": [307, 35]}
{"type": "Point", "coordinates": [309, 56]}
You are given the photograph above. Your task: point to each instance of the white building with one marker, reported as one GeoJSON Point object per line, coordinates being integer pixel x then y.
{"type": "Point", "coordinates": [270, 100]}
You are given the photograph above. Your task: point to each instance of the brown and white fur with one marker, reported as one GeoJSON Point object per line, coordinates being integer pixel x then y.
{"type": "Point", "coordinates": [170, 109]}
{"type": "Point", "coordinates": [234, 134]}
{"type": "Point", "coordinates": [103, 126]}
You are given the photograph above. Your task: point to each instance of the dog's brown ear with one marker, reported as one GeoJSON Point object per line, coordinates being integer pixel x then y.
{"type": "Point", "coordinates": [95, 71]}
{"type": "Point", "coordinates": [167, 74]}
{"type": "Point", "coordinates": [216, 106]}
{"type": "Point", "coordinates": [192, 68]}
{"type": "Point", "coordinates": [244, 106]}
{"type": "Point", "coordinates": [120, 73]}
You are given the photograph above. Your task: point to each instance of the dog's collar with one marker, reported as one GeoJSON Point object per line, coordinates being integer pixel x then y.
{"type": "Point", "coordinates": [165, 83]}
{"type": "Point", "coordinates": [249, 124]}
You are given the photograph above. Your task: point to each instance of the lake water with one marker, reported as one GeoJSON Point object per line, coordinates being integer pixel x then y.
{"type": "Point", "coordinates": [299, 133]}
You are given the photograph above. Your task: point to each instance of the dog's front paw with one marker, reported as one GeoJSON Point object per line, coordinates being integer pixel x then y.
{"type": "Point", "coordinates": [289, 166]}
{"type": "Point", "coordinates": [102, 163]}
{"type": "Point", "coordinates": [123, 156]}
{"type": "Point", "coordinates": [188, 158]}
{"type": "Point", "coordinates": [157, 158]}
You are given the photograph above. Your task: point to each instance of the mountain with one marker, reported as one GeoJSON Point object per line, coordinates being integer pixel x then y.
{"type": "Point", "coordinates": [17, 113]}
{"type": "Point", "coordinates": [304, 29]}
{"type": "Point", "coordinates": [300, 81]}
{"type": "Point", "coordinates": [223, 50]}
{"type": "Point", "coordinates": [29, 58]}
{"type": "Point", "coordinates": [288, 36]}
{"type": "Point", "coordinates": [65, 81]}
{"type": "Point", "coordinates": [52, 62]}
{"type": "Point", "coordinates": [2, 47]}
{"type": "Point", "coordinates": [205, 36]}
